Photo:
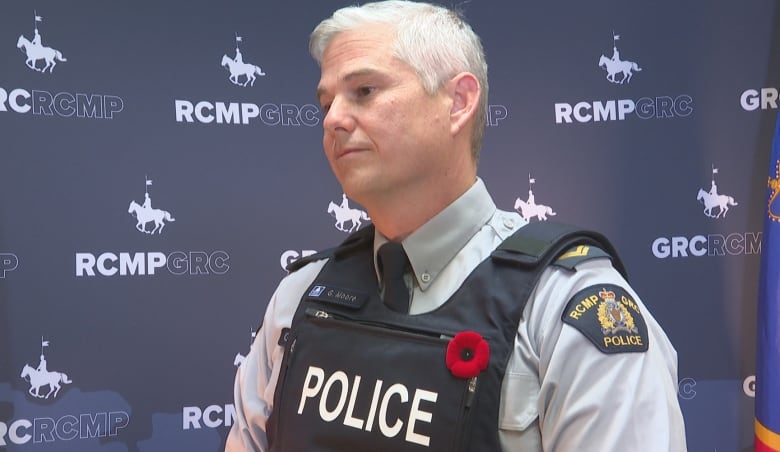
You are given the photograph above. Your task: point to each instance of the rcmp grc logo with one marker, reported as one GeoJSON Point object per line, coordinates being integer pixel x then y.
{"type": "Point", "coordinates": [36, 51]}
{"type": "Point", "coordinates": [40, 376]}
{"type": "Point", "coordinates": [238, 68]}
{"type": "Point", "coordinates": [144, 213]}
{"type": "Point", "coordinates": [609, 317]}
{"type": "Point", "coordinates": [712, 199]}
{"type": "Point", "coordinates": [345, 214]}
{"type": "Point", "coordinates": [529, 209]}
{"type": "Point", "coordinates": [618, 71]}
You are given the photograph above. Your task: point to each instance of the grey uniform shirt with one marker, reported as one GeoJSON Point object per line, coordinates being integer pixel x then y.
{"type": "Point", "coordinates": [560, 393]}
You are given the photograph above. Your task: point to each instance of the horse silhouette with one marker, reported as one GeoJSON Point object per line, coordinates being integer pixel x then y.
{"type": "Point", "coordinates": [528, 211]}
{"type": "Point", "coordinates": [239, 69]}
{"type": "Point", "coordinates": [40, 378]}
{"type": "Point", "coordinates": [344, 214]}
{"type": "Point", "coordinates": [37, 52]}
{"type": "Point", "coordinates": [711, 201]}
{"type": "Point", "coordinates": [145, 215]}
{"type": "Point", "coordinates": [615, 67]}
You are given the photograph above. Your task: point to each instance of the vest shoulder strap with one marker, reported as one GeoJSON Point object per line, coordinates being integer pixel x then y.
{"type": "Point", "coordinates": [546, 242]}
{"type": "Point", "coordinates": [356, 240]}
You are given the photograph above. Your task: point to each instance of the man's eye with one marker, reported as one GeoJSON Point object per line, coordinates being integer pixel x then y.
{"type": "Point", "coordinates": [325, 108]}
{"type": "Point", "coordinates": [365, 91]}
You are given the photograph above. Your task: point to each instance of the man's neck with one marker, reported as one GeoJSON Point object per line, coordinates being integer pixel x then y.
{"type": "Point", "coordinates": [397, 217]}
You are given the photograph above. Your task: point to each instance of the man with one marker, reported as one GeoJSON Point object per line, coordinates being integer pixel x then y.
{"type": "Point", "coordinates": [403, 89]}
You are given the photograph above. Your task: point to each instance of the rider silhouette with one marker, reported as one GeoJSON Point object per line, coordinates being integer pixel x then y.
{"type": "Point", "coordinates": [344, 201]}
{"type": "Point", "coordinates": [239, 58]}
{"type": "Point", "coordinates": [147, 201]}
{"type": "Point", "coordinates": [615, 54]}
{"type": "Point", "coordinates": [713, 189]}
{"type": "Point", "coordinates": [531, 200]}
{"type": "Point", "coordinates": [36, 40]}
{"type": "Point", "coordinates": [42, 364]}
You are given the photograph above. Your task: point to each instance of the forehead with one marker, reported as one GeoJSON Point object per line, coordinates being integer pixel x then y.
{"type": "Point", "coordinates": [364, 47]}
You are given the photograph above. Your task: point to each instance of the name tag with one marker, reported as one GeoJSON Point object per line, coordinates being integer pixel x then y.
{"type": "Point", "coordinates": [336, 295]}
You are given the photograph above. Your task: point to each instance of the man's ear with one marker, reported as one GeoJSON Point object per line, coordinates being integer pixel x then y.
{"type": "Point", "coordinates": [465, 90]}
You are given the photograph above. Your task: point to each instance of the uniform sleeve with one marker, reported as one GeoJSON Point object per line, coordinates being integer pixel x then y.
{"type": "Point", "coordinates": [592, 396]}
{"type": "Point", "coordinates": [255, 382]}
{"type": "Point", "coordinates": [250, 402]}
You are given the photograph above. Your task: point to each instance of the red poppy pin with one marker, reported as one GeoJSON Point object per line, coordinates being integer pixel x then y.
{"type": "Point", "coordinates": [467, 354]}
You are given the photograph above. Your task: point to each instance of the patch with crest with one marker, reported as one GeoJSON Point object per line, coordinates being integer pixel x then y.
{"type": "Point", "coordinates": [609, 317]}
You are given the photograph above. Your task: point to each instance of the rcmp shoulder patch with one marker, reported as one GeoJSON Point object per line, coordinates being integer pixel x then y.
{"type": "Point", "coordinates": [575, 255]}
{"type": "Point", "coordinates": [608, 316]}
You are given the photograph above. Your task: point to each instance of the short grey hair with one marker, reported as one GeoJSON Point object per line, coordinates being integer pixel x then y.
{"type": "Point", "coordinates": [436, 41]}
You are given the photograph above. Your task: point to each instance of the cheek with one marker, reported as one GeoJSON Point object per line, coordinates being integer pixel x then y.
{"type": "Point", "coordinates": [327, 145]}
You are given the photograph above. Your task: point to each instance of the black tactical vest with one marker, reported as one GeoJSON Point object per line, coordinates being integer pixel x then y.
{"type": "Point", "coordinates": [357, 376]}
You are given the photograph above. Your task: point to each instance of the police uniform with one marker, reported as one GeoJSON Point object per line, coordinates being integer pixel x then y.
{"type": "Point", "coordinates": [569, 385]}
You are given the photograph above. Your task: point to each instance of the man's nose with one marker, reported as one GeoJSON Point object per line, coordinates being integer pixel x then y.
{"type": "Point", "coordinates": [339, 116]}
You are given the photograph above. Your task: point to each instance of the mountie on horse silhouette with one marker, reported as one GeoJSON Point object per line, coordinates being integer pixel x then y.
{"type": "Point", "coordinates": [237, 68]}
{"type": "Point", "coordinates": [40, 377]}
{"type": "Point", "coordinates": [145, 213]}
{"type": "Point", "coordinates": [615, 66]}
{"type": "Point", "coordinates": [36, 51]}
{"type": "Point", "coordinates": [712, 199]}
{"type": "Point", "coordinates": [529, 209]}
{"type": "Point", "coordinates": [344, 213]}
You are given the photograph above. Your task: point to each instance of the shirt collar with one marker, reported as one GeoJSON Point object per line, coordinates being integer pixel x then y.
{"type": "Point", "coordinates": [431, 247]}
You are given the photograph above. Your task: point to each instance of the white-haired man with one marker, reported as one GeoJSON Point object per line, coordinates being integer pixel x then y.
{"type": "Point", "coordinates": [478, 354]}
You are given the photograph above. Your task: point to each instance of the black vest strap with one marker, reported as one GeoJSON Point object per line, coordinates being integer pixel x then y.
{"type": "Point", "coordinates": [531, 243]}
{"type": "Point", "coordinates": [355, 240]}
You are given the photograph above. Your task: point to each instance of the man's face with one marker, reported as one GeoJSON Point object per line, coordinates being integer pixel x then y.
{"type": "Point", "coordinates": [385, 137]}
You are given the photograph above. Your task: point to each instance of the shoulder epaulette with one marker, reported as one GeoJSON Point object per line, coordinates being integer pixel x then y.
{"type": "Point", "coordinates": [575, 255]}
{"type": "Point", "coordinates": [355, 240]}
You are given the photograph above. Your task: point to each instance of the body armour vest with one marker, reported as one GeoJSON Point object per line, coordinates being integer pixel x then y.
{"type": "Point", "coordinates": [357, 376]}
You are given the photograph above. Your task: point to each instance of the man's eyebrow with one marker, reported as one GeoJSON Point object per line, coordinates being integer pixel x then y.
{"type": "Point", "coordinates": [365, 72]}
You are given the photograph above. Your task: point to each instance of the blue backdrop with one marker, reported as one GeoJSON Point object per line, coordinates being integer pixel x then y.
{"type": "Point", "coordinates": [122, 319]}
